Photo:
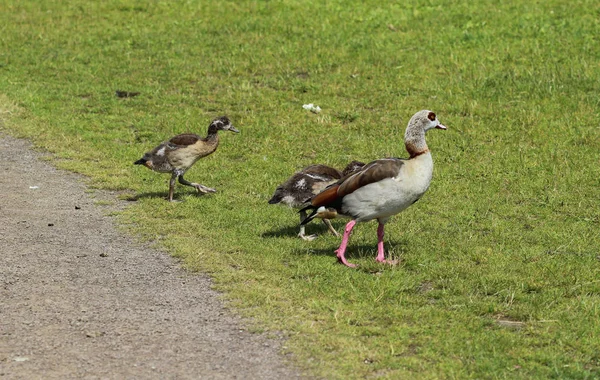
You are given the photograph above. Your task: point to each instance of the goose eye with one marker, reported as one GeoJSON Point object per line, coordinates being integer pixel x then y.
{"type": "Point", "coordinates": [431, 116]}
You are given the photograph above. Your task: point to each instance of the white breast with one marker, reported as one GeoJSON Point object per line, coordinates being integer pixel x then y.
{"type": "Point", "coordinates": [381, 200]}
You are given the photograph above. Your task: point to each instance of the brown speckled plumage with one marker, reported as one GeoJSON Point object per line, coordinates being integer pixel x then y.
{"type": "Point", "coordinates": [178, 154]}
{"type": "Point", "coordinates": [302, 186]}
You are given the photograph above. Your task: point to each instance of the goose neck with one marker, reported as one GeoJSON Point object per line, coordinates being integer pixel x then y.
{"type": "Point", "coordinates": [415, 144]}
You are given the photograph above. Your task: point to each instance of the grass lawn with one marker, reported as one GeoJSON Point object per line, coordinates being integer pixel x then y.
{"type": "Point", "coordinates": [500, 261]}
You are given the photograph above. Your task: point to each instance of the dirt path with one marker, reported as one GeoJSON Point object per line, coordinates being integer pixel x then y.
{"type": "Point", "coordinates": [78, 299]}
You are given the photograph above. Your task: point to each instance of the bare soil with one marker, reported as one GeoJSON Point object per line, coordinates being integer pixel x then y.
{"type": "Point", "coordinates": [79, 299]}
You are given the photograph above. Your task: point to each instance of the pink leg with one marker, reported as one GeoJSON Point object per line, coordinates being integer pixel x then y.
{"type": "Point", "coordinates": [380, 251]}
{"type": "Point", "coordinates": [342, 249]}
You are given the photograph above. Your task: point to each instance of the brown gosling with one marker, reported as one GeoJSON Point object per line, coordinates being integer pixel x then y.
{"type": "Point", "coordinates": [297, 191]}
{"type": "Point", "coordinates": [178, 154]}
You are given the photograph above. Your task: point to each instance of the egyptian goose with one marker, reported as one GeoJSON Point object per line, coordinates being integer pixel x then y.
{"type": "Point", "coordinates": [302, 186]}
{"type": "Point", "coordinates": [381, 188]}
{"type": "Point", "coordinates": [178, 154]}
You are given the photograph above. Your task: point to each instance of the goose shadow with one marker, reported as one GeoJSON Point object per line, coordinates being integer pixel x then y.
{"type": "Point", "coordinates": [366, 253]}
{"type": "Point", "coordinates": [361, 250]}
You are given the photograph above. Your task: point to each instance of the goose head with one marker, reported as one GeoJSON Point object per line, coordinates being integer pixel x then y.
{"type": "Point", "coordinates": [424, 120]}
{"type": "Point", "coordinates": [221, 124]}
{"type": "Point", "coordinates": [414, 138]}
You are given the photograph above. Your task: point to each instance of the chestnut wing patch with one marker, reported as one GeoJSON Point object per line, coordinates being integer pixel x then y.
{"type": "Point", "coordinates": [185, 139]}
{"type": "Point", "coordinates": [373, 172]}
{"type": "Point", "coordinates": [326, 197]}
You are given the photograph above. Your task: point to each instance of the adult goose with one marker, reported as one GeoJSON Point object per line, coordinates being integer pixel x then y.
{"type": "Point", "coordinates": [178, 154]}
{"type": "Point", "coordinates": [381, 188]}
{"type": "Point", "coordinates": [297, 191]}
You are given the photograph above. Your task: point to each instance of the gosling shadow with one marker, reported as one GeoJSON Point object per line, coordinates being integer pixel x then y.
{"type": "Point", "coordinates": [178, 196]}
{"type": "Point", "coordinates": [292, 230]}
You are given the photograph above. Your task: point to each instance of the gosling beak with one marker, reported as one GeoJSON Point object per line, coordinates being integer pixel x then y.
{"type": "Point", "coordinates": [440, 126]}
{"type": "Point", "coordinates": [232, 129]}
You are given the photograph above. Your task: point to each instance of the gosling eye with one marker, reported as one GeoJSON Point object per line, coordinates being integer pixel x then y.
{"type": "Point", "coordinates": [431, 116]}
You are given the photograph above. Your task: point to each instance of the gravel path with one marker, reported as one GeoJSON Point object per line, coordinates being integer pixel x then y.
{"type": "Point", "coordinates": [78, 299]}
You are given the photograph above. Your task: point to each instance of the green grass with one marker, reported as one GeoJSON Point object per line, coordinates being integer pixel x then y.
{"type": "Point", "coordinates": [509, 230]}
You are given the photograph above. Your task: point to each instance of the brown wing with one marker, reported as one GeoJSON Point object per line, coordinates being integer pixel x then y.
{"type": "Point", "coordinates": [326, 197]}
{"type": "Point", "coordinates": [372, 172]}
{"type": "Point", "coordinates": [185, 139]}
